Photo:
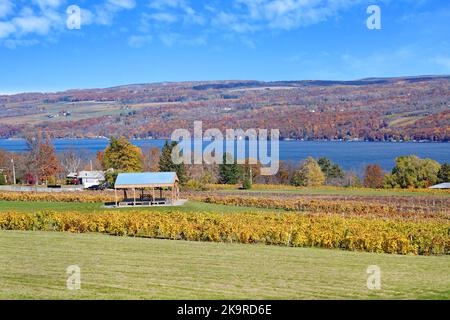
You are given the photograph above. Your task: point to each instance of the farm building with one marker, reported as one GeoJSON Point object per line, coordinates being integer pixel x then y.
{"type": "Point", "coordinates": [441, 186]}
{"type": "Point", "coordinates": [87, 178]}
{"type": "Point", "coordinates": [147, 189]}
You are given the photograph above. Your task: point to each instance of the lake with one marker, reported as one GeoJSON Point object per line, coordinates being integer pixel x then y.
{"type": "Point", "coordinates": [349, 155]}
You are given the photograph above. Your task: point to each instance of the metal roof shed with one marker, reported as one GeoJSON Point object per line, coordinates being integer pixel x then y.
{"type": "Point", "coordinates": [147, 180]}
{"type": "Point", "coordinates": [445, 185]}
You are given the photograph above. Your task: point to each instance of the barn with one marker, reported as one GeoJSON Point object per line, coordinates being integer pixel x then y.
{"type": "Point", "coordinates": [147, 189]}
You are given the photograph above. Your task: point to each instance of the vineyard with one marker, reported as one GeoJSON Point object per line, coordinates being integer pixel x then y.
{"type": "Point", "coordinates": [399, 225]}
{"type": "Point", "coordinates": [369, 208]}
{"type": "Point", "coordinates": [284, 229]}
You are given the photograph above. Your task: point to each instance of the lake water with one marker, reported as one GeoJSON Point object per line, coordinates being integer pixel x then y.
{"type": "Point", "coordinates": [349, 155]}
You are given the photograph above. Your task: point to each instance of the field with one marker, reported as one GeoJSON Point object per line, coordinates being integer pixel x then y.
{"type": "Point", "coordinates": [33, 266]}
{"type": "Point", "coordinates": [230, 261]}
{"type": "Point", "coordinates": [334, 191]}
{"type": "Point", "coordinates": [191, 206]}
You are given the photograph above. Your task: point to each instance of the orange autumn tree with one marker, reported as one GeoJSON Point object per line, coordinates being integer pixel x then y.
{"type": "Point", "coordinates": [374, 176]}
{"type": "Point", "coordinates": [43, 164]}
{"type": "Point", "coordinates": [122, 156]}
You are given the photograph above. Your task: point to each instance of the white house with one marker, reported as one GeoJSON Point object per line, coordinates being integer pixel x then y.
{"type": "Point", "coordinates": [91, 178]}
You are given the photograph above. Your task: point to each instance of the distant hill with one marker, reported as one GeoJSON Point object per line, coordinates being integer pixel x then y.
{"type": "Point", "coordinates": [375, 109]}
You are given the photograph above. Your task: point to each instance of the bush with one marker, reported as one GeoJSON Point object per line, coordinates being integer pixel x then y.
{"type": "Point", "coordinates": [195, 185]}
{"type": "Point", "coordinates": [413, 172]}
{"type": "Point", "coordinates": [444, 173]}
{"type": "Point", "coordinates": [2, 179]}
{"type": "Point", "coordinates": [309, 175]}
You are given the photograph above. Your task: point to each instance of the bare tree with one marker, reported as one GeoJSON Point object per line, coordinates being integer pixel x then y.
{"type": "Point", "coordinates": [70, 161]}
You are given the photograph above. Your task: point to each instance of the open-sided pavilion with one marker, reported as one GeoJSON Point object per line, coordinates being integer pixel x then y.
{"type": "Point", "coordinates": [148, 189]}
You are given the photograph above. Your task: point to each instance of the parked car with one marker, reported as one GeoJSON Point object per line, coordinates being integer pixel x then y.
{"type": "Point", "coordinates": [102, 186]}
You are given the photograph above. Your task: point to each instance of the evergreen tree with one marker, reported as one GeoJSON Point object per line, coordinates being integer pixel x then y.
{"type": "Point", "coordinates": [444, 173]}
{"type": "Point", "coordinates": [330, 169]}
{"type": "Point", "coordinates": [166, 163]}
{"type": "Point", "coordinates": [2, 179]}
{"type": "Point", "coordinates": [229, 170]}
{"type": "Point", "coordinates": [247, 181]}
{"type": "Point", "coordinates": [165, 160]}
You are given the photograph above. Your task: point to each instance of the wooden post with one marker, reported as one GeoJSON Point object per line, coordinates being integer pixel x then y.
{"type": "Point", "coordinates": [115, 196]}
{"type": "Point", "coordinates": [153, 194]}
{"type": "Point", "coordinates": [134, 196]}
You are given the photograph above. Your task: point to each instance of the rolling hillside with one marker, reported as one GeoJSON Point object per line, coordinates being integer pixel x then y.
{"type": "Point", "coordinates": [375, 109]}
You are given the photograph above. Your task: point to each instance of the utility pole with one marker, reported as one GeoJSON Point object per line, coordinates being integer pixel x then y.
{"type": "Point", "coordinates": [14, 171]}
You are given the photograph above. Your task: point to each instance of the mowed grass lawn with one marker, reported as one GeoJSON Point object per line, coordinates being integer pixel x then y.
{"type": "Point", "coordinates": [33, 266]}
{"type": "Point", "coordinates": [190, 206]}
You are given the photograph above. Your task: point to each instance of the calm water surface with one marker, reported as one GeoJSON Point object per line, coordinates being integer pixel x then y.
{"type": "Point", "coordinates": [350, 155]}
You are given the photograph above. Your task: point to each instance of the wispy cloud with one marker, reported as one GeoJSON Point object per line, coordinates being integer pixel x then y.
{"type": "Point", "coordinates": [6, 7]}
{"type": "Point", "coordinates": [163, 17]}
{"type": "Point", "coordinates": [136, 41]}
{"type": "Point", "coordinates": [106, 12]}
{"type": "Point", "coordinates": [443, 61]}
{"type": "Point", "coordinates": [30, 21]}
{"type": "Point", "coordinates": [23, 25]}
{"type": "Point", "coordinates": [256, 15]}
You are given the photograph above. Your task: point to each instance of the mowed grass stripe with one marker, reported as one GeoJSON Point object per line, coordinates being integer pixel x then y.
{"type": "Point", "coordinates": [190, 206]}
{"type": "Point", "coordinates": [33, 266]}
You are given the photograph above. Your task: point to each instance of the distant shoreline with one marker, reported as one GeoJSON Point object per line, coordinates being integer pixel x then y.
{"type": "Point", "coordinates": [281, 140]}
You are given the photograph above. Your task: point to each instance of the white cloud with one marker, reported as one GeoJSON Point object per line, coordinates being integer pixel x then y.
{"type": "Point", "coordinates": [163, 4]}
{"type": "Point", "coordinates": [14, 43]}
{"type": "Point", "coordinates": [44, 4]}
{"type": "Point", "coordinates": [122, 4]}
{"type": "Point", "coordinates": [254, 15]}
{"type": "Point", "coordinates": [139, 41]}
{"type": "Point", "coordinates": [29, 22]}
{"type": "Point", "coordinates": [232, 22]}
{"type": "Point", "coordinates": [442, 61]}
{"type": "Point", "coordinates": [6, 7]}
{"type": "Point", "coordinates": [177, 8]}
{"type": "Point", "coordinates": [163, 17]}
{"type": "Point", "coordinates": [106, 12]}
{"type": "Point", "coordinates": [6, 29]}
{"type": "Point", "coordinates": [169, 39]}
{"type": "Point", "coordinates": [48, 17]}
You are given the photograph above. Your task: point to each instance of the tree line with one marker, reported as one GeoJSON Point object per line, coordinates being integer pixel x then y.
{"type": "Point", "coordinates": [42, 165]}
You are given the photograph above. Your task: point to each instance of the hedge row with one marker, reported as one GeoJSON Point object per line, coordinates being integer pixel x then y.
{"type": "Point", "coordinates": [321, 206]}
{"type": "Point", "coordinates": [286, 229]}
{"type": "Point", "coordinates": [84, 197]}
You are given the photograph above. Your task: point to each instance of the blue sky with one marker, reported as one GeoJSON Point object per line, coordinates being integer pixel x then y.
{"type": "Point", "coordinates": [131, 41]}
